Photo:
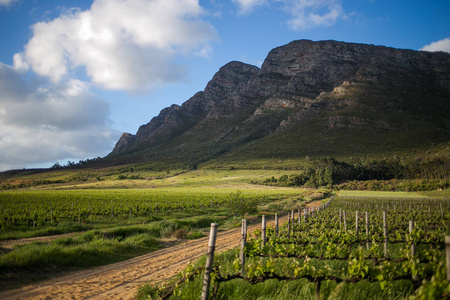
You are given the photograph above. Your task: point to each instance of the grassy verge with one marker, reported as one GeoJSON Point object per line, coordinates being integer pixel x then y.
{"type": "Point", "coordinates": [40, 260]}
{"type": "Point", "coordinates": [24, 232]}
{"type": "Point", "coordinates": [437, 193]}
{"type": "Point", "coordinates": [381, 194]}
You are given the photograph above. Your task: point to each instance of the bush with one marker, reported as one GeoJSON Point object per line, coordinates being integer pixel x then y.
{"type": "Point", "coordinates": [180, 233]}
{"type": "Point", "coordinates": [240, 206]}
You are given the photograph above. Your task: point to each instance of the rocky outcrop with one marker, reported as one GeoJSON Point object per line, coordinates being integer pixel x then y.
{"type": "Point", "coordinates": [339, 85]}
{"type": "Point", "coordinates": [125, 140]}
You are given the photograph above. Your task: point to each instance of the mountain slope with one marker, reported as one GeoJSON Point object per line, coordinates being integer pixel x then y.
{"type": "Point", "coordinates": [308, 99]}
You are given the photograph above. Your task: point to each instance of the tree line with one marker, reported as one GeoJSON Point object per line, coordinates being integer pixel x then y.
{"type": "Point", "coordinates": [421, 174]}
{"type": "Point", "coordinates": [57, 165]}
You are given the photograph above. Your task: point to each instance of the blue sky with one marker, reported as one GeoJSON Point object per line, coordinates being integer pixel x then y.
{"type": "Point", "coordinates": [76, 74]}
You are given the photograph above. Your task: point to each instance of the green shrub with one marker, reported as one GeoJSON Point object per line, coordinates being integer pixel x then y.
{"type": "Point", "coordinates": [195, 235]}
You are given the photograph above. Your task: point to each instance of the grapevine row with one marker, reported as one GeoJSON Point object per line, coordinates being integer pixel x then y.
{"type": "Point", "coordinates": [296, 250]}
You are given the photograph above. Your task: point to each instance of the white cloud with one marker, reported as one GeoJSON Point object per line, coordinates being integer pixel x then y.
{"type": "Point", "coordinates": [19, 63]}
{"type": "Point", "coordinates": [304, 14]}
{"type": "Point", "coordinates": [442, 45]}
{"type": "Point", "coordinates": [7, 3]}
{"type": "Point", "coordinates": [42, 123]}
{"type": "Point", "coordinates": [246, 6]}
{"type": "Point", "coordinates": [121, 44]}
{"type": "Point", "coordinates": [312, 13]}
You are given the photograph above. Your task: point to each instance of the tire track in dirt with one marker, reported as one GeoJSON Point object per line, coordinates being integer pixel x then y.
{"type": "Point", "coordinates": [9, 244]}
{"type": "Point", "coordinates": [121, 280]}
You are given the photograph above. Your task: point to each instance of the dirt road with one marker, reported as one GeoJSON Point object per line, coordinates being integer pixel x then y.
{"type": "Point", "coordinates": [121, 280]}
{"type": "Point", "coordinates": [9, 244]}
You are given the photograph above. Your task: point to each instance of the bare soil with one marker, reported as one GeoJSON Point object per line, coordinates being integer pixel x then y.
{"type": "Point", "coordinates": [122, 280]}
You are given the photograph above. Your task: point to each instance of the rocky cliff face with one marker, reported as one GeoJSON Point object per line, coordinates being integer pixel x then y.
{"type": "Point", "coordinates": [339, 85]}
{"type": "Point", "coordinates": [223, 96]}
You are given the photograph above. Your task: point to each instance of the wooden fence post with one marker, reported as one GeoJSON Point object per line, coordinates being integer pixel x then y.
{"type": "Point", "coordinates": [317, 285]}
{"type": "Point", "coordinates": [289, 225]}
{"type": "Point", "coordinates": [209, 261]}
{"type": "Point", "coordinates": [263, 230]}
{"type": "Point", "coordinates": [292, 220]}
{"type": "Point", "coordinates": [356, 222]}
{"type": "Point", "coordinates": [447, 253]}
{"type": "Point", "coordinates": [243, 242]}
{"type": "Point", "coordinates": [385, 235]}
{"type": "Point", "coordinates": [345, 220]}
{"type": "Point", "coordinates": [411, 228]}
{"type": "Point", "coordinates": [367, 231]}
{"type": "Point", "coordinates": [276, 225]}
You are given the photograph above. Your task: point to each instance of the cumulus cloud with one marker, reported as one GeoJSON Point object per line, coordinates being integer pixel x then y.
{"type": "Point", "coordinates": [246, 6]}
{"type": "Point", "coordinates": [312, 13]}
{"type": "Point", "coordinates": [442, 45]}
{"type": "Point", "coordinates": [42, 123]}
{"type": "Point", "coordinates": [120, 44]}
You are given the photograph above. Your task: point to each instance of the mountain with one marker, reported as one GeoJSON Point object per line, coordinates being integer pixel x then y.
{"type": "Point", "coordinates": [308, 99]}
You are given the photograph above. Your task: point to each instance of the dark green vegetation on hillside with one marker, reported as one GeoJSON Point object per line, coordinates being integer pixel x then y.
{"type": "Point", "coordinates": [394, 174]}
{"type": "Point", "coordinates": [427, 169]}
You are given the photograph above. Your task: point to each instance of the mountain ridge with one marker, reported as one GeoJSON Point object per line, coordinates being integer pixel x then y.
{"type": "Point", "coordinates": [304, 91]}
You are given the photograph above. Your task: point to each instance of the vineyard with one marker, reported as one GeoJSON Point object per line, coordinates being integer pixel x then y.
{"type": "Point", "coordinates": [349, 248]}
{"type": "Point", "coordinates": [110, 225]}
{"type": "Point", "coordinates": [29, 210]}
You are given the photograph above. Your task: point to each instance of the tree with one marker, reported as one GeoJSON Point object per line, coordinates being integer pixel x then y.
{"type": "Point", "coordinates": [56, 166]}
